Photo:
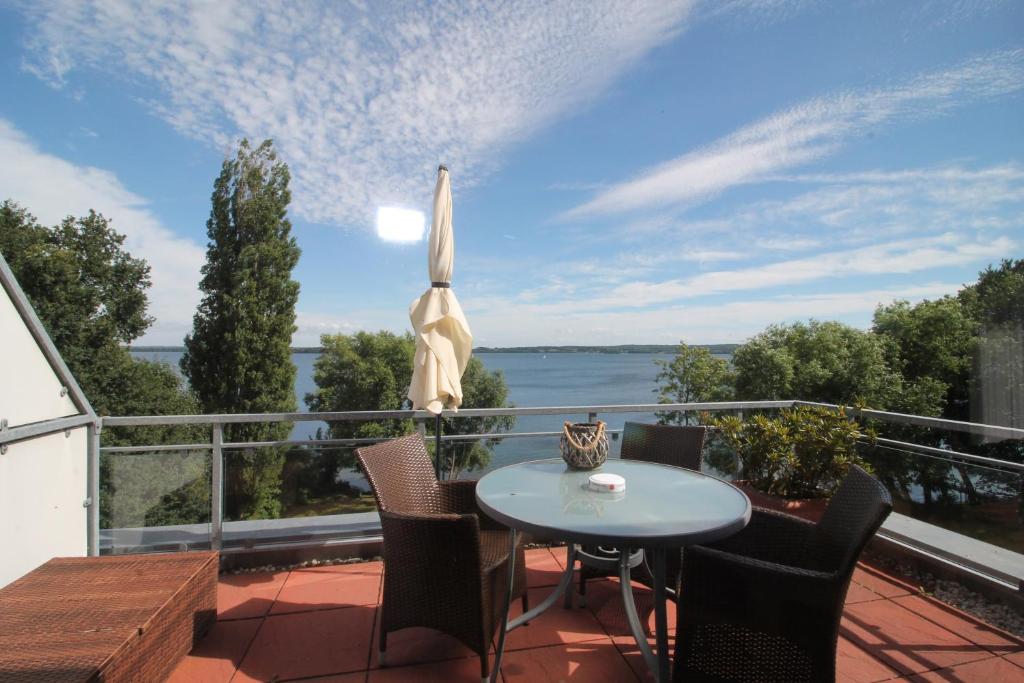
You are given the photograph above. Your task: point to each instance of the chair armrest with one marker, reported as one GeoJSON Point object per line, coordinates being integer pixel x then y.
{"type": "Point", "coordinates": [773, 537]}
{"type": "Point", "coordinates": [435, 549]}
{"type": "Point", "coordinates": [459, 497]}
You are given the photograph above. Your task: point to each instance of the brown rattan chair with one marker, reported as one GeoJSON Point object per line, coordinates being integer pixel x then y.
{"type": "Point", "coordinates": [678, 446]}
{"type": "Point", "coordinates": [764, 605]}
{"type": "Point", "coordinates": [445, 563]}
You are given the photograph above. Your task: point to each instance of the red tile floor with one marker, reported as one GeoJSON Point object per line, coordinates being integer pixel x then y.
{"type": "Point", "coordinates": [318, 624]}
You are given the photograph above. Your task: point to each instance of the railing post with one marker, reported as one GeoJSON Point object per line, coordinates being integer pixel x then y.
{"type": "Point", "coordinates": [217, 488]}
{"type": "Point", "coordinates": [92, 479]}
{"type": "Point", "coordinates": [591, 417]}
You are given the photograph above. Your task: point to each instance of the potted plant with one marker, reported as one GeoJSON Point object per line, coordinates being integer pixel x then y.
{"type": "Point", "coordinates": [795, 460]}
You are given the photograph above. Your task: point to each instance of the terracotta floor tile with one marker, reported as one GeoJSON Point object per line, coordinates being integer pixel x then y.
{"type": "Point", "coordinates": [1017, 659]}
{"type": "Point", "coordinates": [903, 640]}
{"type": "Point", "coordinates": [604, 599]}
{"type": "Point", "coordinates": [309, 644]}
{"type": "Point", "coordinates": [962, 624]}
{"type": "Point", "coordinates": [542, 569]}
{"type": "Point", "coordinates": [557, 625]}
{"type": "Point", "coordinates": [450, 671]}
{"type": "Point", "coordinates": [881, 583]}
{"type": "Point", "coordinates": [854, 665]}
{"type": "Point", "coordinates": [415, 645]}
{"type": "Point", "coordinates": [597, 661]}
{"type": "Point", "coordinates": [858, 593]}
{"type": "Point", "coordinates": [219, 653]}
{"type": "Point", "coordinates": [357, 677]}
{"type": "Point", "coordinates": [630, 651]}
{"type": "Point", "coordinates": [242, 596]}
{"type": "Point", "coordinates": [559, 553]}
{"type": "Point", "coordinates": [342, 585]}
{"type": "Point", "coordinates": [992, 670]}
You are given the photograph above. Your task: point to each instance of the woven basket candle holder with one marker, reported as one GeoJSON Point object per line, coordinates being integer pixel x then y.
{"type": "Point", "coordinates": [584, 445]}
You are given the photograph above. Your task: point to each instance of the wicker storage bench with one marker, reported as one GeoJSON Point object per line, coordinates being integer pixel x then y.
{"type": "Point", "coordinates": [112, 618]}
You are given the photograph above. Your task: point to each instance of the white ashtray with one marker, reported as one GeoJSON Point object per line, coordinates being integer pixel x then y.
{"type": "Point", "coordinates": [606, 482]}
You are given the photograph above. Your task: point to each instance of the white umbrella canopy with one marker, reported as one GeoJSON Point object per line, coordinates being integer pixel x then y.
{"type": "Point", "coordinates": [444, 342]}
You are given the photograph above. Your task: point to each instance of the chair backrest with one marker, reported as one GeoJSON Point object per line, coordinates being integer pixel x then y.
{"type": "Point", "coordinates": [401, 475]}
{"type": "Point", "coordinates": [665, 444]}
{"type": "Point", "coordinates": [852, 517]}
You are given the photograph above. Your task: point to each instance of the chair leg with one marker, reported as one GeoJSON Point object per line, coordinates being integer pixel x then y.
{"type": "Point", "coordinates": [583, 588]}
{"type": "Point", "coordinates": [382, 646]}
{"type": "Point", "coordinates": [485, 668]}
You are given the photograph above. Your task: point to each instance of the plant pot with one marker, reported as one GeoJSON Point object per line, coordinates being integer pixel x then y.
{"type": "Point", "coordinates": [810, 509]}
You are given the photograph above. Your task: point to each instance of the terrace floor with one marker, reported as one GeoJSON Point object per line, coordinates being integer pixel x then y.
{"type": "Point", "coordinates": [318, 623]}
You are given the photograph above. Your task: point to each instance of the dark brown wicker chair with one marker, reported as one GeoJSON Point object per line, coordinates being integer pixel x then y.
{"type": "Point", "coordinates": [445, 563]}
{"type": "Point", "coordinates": [764, 605]}
{"type": "Point", "coordinates": [674, 445]}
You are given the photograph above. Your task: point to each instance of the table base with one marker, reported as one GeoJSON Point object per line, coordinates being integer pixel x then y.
{"type": "Point", "coordinates": [656, 662]}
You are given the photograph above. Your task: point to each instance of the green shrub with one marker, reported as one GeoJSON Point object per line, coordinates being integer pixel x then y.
{"type": "Point", "coordinates": [802, 452]}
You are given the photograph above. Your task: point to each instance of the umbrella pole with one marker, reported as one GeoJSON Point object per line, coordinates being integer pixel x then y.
{"type": "Point", "coordinates": [437, 446]}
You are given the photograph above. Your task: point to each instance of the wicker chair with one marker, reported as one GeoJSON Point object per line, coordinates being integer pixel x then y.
{"type": "Point", "coordinates": [662, 444]}
{"type": "Point", "coordinates": [445, 563]}
{"type": "Point", "coordinates": [764, 605]}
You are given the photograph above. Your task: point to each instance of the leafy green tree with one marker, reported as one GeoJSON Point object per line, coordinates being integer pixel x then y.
{"type": "Point", "coordinates": [997, 297]}
{"type": "Point", "coordinates": [90, 295]}
{"type": "Point", "coordinates": [238, 358]}
{"type": "Point", "coordinates": [693, 375]}
{"type": "Point", "coordinates": [815, 361]}
{"type": "Point", "coordinates": [931, 345]}
{"type": "Point", "coordinates": [372, 371]}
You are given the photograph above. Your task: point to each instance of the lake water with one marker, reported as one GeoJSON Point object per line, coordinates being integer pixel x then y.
{"type": "Point", "coordinates": [533, 379]}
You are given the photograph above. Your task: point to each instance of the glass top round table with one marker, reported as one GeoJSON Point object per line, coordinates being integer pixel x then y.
{"type": "Point", "coordinates": [661, 505]}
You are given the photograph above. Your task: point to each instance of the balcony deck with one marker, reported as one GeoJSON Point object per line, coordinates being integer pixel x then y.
{"type": "Point", "coordinates": [318, 623]}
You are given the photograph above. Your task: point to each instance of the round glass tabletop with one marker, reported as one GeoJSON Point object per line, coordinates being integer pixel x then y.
{"type": "Point", "coordinates": [661, 505]}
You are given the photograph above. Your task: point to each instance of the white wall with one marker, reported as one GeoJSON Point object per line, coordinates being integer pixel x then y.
{"type": "Point", "coordinates": [42, 487]}
{"type": "Point", "coordinates": [42, 480]}
{"type": "Point", "coordinates": [29, 389]}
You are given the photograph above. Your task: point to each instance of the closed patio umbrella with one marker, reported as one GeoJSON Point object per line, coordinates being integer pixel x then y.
{"type": "Point", "coordinates": [443, 339]}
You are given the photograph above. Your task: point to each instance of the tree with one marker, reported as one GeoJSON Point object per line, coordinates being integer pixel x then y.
{"type": "Point", "coordinates": [238, 358]}
{"type": "Point", "coordinates": [90, 295]}
{"type": "Point", "coordinates": [87, 290]}
{"type": "Point", "coordinates": [363, 371]}
{"type": "Point", "coordinates": [930, 344]}
{"type": "Point", "coordinates": [372, 371]}
{"type": "Point", "coordinates": [817, 361]}
{"type": "Point", "coordinates": [693, 375]}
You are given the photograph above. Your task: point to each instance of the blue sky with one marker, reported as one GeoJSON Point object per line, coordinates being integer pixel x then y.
{"type": "Point", "coordinates": [622, 172]}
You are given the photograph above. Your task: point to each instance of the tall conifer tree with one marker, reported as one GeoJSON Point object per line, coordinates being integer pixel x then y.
{"type": "Point", "coordinates": [238, 357]}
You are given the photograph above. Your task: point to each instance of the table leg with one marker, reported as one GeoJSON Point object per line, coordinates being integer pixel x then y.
{"type": "Point", "coordinates": [660, 620]}
{"type": "Point", "coordinates": [513, 537]}
{"type": "Point", "coordinates": [629, 603]}
{"type": "Point", "coordinates": [563, 585]}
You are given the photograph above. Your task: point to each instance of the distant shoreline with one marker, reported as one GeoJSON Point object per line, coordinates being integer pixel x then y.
{"type": "Point", "coordinates": [622, 348]}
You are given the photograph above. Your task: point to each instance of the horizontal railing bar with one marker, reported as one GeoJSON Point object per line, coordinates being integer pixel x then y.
{"type": "Point", "coordinates": [369, 415]}
{"type": "Point", "coordinates": [922, 421]}
{"type": "Point", "coordinates": [44, 428]}
{"type": "Point", "coordinates": [158, 448]}
{"type": "Point", "coordinates": [946, 454]}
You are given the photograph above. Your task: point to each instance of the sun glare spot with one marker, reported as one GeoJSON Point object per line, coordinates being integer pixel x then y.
{"type": "Point", "coordinates": [400, 225]}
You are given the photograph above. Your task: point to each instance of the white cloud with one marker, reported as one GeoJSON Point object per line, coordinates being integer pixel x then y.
{"type": "Point", "coordinates": [805, 133]}
{"type": "Point", "coordinates": [52, 189]}
{"type": "Point", "coordinates": [607, 293]}
{"type": "Point", "coordinates": [363, 103]}
{"type": "Point", "coordinates": [697, 324]}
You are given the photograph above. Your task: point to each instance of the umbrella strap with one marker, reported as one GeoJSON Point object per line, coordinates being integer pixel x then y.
{"type": "Point", "coordinates": [442, 285]}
